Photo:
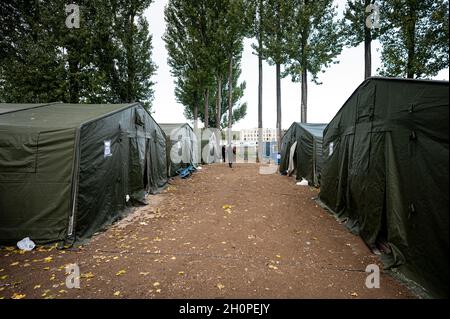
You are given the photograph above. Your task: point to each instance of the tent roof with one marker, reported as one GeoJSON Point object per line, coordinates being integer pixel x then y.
{"type": "Point", "coordinates": [315, 129]}
{"type": "Point", "coordinates": [12, 107]}
{"type": "Point", "coordinates": [55, 115]}
{"type": "Point", "coordinates": [168, 127]}
{"type": "Point", "coordinates": [406, 81]}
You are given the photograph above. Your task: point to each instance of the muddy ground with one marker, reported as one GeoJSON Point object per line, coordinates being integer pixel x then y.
{"type": "Point", "coordinates": [222, 233]}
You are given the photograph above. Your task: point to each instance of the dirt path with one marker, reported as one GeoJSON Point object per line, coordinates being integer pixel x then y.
{"type": "Point", "coordinates": [274, 242]}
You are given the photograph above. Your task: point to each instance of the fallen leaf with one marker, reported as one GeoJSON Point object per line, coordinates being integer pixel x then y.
{"type": "Point", "coordinates": [273, 267]}
{"type": "Point", "coordinates": [156, 284]}
{"type": "Point", "coordinates": [18, 296]}
{"type": "Point", "coordinates": [37, 287]}
{"type": "Point", "coordinates": [181, 273]}
{"type": "Point", "coordinates": [117, 293]}
{"type": "Point", "coordinates": [4, 277]}
{"type": "Point", "coordinates": [121, 272]}
{"type": "Point", "coordinates": [48, 259]}
{"type": "Point", "coordinates": [143, 273]}
{"type": "Point", "coordinates": [87, 275]}
{"type": "Point", "coordinates": [220, 286]}
{"type": "Point", "coordinates": [15, 263]}
{"type": "Point", "coordinates": [226, 206]}
{"type": "Point", "coordinates": [354, 294]}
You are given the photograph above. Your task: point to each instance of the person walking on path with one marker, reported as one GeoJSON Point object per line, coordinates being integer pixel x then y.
{"type": "Point", "coordinates": [231, 154]}
{"type": "Point", "coordinates": [223, 152]}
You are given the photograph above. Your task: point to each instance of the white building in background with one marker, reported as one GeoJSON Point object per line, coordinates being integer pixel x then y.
{"type": "Point", "coordinates": [251, 135]}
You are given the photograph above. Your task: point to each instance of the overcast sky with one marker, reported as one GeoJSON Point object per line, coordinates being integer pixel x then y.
{"type": "Point", "coordinates": [339, 81]}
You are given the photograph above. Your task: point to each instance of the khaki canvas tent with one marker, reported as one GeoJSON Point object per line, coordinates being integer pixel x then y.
{"type": "Point", "coordinates": [66, 170]}
{"type": "Point", "coordinates": [385, 173]}
{"type": "Point", "coordinates": [182, 147]}
{"type": "Point", "coordinates": [301, 151]}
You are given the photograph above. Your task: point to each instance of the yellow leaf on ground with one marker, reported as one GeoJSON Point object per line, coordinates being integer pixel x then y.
{"type": "Point", "coordinates": [121, 272]}
{"type": "Point", "coordinates": [4, 277]}
{"type": "Point", "coordinates": [46, 268]}
{"type": "Point", "coordinates": [354, 294]}
{"type": "Point", "coordinates": [15, 263]}
{"type": "Point", "coordinates": [48, 259]}
{"type": "Point", "coordinates": [143, 273]}
{"type": "Point", "coordinates": [226, 206]}
{"type": "Point", "coordinates": [117, 293]}
{"type": "Point", "coordinates": [156, 284]}
{"type": "Point", "coordinates": [181, 273]}
{"type": "Point", "coordinates": [18, 296]}
{"type": "Point", "coordinates": [87, 275]}
{"type": "Point", "coordinates": [220, 286]}
{"type": "Point", "coordinates": [37, 287]}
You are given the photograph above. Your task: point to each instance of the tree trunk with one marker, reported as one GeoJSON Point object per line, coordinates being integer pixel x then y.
{"type": "Point", "coordinates": [259, 153]}
{"type": "Point", "coordinates": [195, 117]}
{"type": "Point", "coordinates": [218, 110]}
{"type": "Point", "coordinates": [411, 43]}
{"type": "Point", "coordinates": [367, 48]}
{"type": "Point", "coordinates": [230, 99]}
{"type": "Point", "coordinates": [206, 108]}
{"type": "Point", "coordinates": [197, 134]}
{"type": "Point", "coordinates": [304, 106]}
{"type": "Point", "coordinates": [219, 101]}
{"type": "Point", "coordinates": [278, 75]}
{"type": "Point", "coordinates": [74, 86]}
{"type": "Point", "coordinates": [131, 72]}
{"type": "Point", "coordinates": [367, 53]}
{"type": "Point", "coordinates": [260, 120]}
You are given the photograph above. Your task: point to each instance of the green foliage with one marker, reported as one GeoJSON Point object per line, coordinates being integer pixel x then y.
{"type": "Point", "coordinates": [354, 28]}
{"type": "Point", "coordinates": [200, 37]}
{"type": "Point", "coordinates": [106, 60]}
{"type": "Point", "coordinates": [239, 108]}
{"type": "Point", "coordinates": [415, 44]}
{"type": "Point", "coordinates": [275, 20]}
{"type": "Point", "coordinates": [314, 38]}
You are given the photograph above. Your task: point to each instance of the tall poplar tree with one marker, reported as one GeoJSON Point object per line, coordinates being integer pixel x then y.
{"type": "Point", "coordinates": [415, 44]}
{"type": "Point", "coordinates": [314, 41]}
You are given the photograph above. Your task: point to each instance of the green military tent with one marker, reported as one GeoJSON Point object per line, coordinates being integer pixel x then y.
{"type": "Point", "coordinates": [66, 170]}
{"type": "Point", "coordinates": [301, 151]}
{"type": "Point", "coordinates": [385, 173]}
{"type": "Point", "coordinates": [182, 148]}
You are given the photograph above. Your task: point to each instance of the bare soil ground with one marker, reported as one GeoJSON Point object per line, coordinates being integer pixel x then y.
{"type": "Point", "coordinates": [222, 233]}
